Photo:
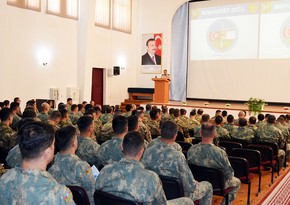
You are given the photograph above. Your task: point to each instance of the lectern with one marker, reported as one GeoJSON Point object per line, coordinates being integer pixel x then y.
{"type": "Point", "coordinates": [161, 90]}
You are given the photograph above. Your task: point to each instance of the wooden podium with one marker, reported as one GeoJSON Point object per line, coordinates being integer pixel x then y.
{"type": "Point", "coordinates": [161, 90]}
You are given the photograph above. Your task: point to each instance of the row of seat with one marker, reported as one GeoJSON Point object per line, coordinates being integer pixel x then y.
{"type": "Point", "coordinates": [243, 161]}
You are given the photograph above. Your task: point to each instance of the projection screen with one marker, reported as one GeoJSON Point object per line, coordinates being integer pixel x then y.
{"type": "Point", "coordinates": [239, 49]}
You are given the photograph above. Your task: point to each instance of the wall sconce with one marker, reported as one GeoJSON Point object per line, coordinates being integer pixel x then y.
{"type": "Point", "coordinates": [43, 57]}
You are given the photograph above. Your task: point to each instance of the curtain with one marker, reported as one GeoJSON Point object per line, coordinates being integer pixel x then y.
{"type": "Point", "coordinates": [179, 41]}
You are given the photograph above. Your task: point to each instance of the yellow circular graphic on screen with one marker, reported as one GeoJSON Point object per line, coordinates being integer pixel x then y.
{"type": "Point", "coordinates": [222, 35]}
{"type": "Point", "coordinates": [285, 33]}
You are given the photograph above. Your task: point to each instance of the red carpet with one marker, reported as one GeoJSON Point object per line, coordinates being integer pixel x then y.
{"type": "Point", "coordinates": [279, 194]}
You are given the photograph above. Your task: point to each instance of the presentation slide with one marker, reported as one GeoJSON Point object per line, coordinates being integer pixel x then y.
{"type": "Point", "coordinates": [275, 30]}
{"type": "Point", "coordinates": [239, 49]}
{"type": "Point", "coordinates": [228, 32]}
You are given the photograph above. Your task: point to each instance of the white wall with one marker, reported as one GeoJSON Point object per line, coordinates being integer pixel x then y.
{"type": "Point", "coordinates": [75, 46]}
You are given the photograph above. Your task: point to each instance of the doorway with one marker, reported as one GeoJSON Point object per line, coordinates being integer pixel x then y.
{"type": "Point", "coordinates": [97, 86]}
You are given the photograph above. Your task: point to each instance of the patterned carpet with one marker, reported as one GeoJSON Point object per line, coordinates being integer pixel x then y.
{"type": "Point", "coordinates": [279, 194]}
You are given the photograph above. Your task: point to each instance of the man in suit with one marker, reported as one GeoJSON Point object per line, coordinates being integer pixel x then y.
{"type": "Point", "coordinates": [150, 58]}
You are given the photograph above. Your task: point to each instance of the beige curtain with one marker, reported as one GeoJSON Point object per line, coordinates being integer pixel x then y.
{"type": "Point", "coordinates": [26, 4]}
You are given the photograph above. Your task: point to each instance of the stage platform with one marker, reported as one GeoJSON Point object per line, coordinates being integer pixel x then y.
{"type": "Point", "coordinates": [233, 107]}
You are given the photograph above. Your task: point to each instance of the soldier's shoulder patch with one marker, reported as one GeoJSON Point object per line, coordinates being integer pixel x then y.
{"type": "Point", "coordinates": [68, 196]}
{"type": "Point", "coordinates": [88, 169]}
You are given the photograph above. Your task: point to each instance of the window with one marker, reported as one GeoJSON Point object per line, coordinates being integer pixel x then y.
{"type": "Point", "coordinates": [114, 14]}
{"type": "Point", "coordinates": [103, 13]}
{"type": "Point", "coordinates": [122, 15]}
{"type": "Point", "coordinates": [63, 8]}
{"type": "Point", "coordinates": [26, 4]}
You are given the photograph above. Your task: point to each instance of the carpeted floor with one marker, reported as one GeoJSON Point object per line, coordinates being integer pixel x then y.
{"type": "Point", "coordinates": [279, 194]}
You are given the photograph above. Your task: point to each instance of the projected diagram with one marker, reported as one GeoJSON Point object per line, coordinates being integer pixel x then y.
{"type": "Point", "coordinates": [222, 35]}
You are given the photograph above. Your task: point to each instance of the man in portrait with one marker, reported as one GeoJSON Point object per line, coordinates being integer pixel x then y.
{"type": "Point", "coordinates": [150, 58]}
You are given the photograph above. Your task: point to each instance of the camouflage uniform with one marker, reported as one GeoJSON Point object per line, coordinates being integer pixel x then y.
{"type": "Point", "coordinates": [55, 127]}
{"type": "Point", "coordinates": [270, 133]}
{"type": "Point", "coordinates": [106, 118]}
{"type": "Point", "coordinates": [145, 131]}
{"type": "Point", "coordinates": [43, 117]}
{"type": "Point", "coordinates": [182, 127]}
{"type": "Point", "coordinates": [198, 118]}
{"type": "Point", "coordinates": [50, 111]}
{"type": "Point", "coordinates": [19, 186]}
{"type": "Point", "coordinates": [284, 130]}
{"type": "Point", "coordinates": [128, 179]}
{"type": "Point", "coordinates": [87, 150]}
{"type": "Point", "coordinates": [243, 133]}
{"type": "Point", "coordinates": [254, 128]}
{"type": "Point", "coordinates": [64, 123]}
{"type": "Point", "coordinates": [73, 118]}
{"type": "Point", "coordinates": [97, 127]}
{"type": "Point", "coordinates": [110, 151]}
{"type": "Point", "coordinates": [209, 155]}
{"type": "Point", "coordinates": [163, 159]}
{"type": "Point", "coordinates": [185, 119]}
{"type": "Point", "coordinates": [8, 138]}
{"type": "Point", "coordinates": [229, 127]}
{"type": "Point", "coordinates": [70, 170]}
{"type": "Point", "coordinates": [222, 132]}
{"type": "Point", "coordinates": [107, 131]}
{"type": "Point", "coordinates": [158, 139]}
{"type": "Point", "coordinates": [261, 123]}
{"type": "Point", "coordinates": [127, 114]}
{"type": "Point", "coordinates": [79, 114]}
{"type": "Point", "coordinates": [153, 127]}
{"type": "Point", "coordinates": [166, 117]}
{"type": "Point", "coordinates": [14, 157]}
{"type": "Point", "coordinates": [15, 121]}
{"type": "Point", "coordinates": [193, 123]}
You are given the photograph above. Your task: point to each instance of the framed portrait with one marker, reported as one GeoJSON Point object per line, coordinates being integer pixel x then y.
{"type": "Point", "coordinates": [151, 59]}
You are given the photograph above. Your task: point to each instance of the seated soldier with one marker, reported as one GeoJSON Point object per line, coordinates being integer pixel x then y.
{"type": "Point", "coordinates": [69, 169]}
{"type": "Point", "coordinates": [108, 116]}
{"type": "Point", "coordinates": [144, 129]}
{"type": "Point", "coordinates": [8, 137]}
{"type": "Point", "coordinates": [204, 119]}
{"type": "Point", "coordinates": [54, 119]}
{"type": "Point", "coordinates": [229, 126]}
{"type": "Point", "coordinates": [43, 116]}
{"type": "Point", "coordinates": [221, 132]}
{"type": "Point", "coordinates": [64, 120]}
{"type": "Point", "coordinates": [206, 154]}
{"type": "Point", "coordinates": [182, 126]}
{"type": "Point", "coordinates": [270, 133]}
{"type": "Point", "coordinates": [110, 151]}
{"type": "Point", "coordinates": [129, 179]}
{"type": "Point", "coordinates": [252, 124]}
{"type": "Point", "coordinates": [192, 121]}
{"type": "Point", "coordinates": [30, 183]}
{"type": "Point", "coordinates": [153, 122]}
{"type": "Point", "coordinates": [163, 159]}
{"type": "Point", "coordinates": [14, 156]}
{"type": "Point", "coordinates": [15, 107]}
{"type": "Point", "coordinates": [175, 145]}
{"type": "Point", "coordinates": [243, 132]}
{"type": "Point", "coordinates": [261, 120]}
{"type": "Point", "coordinates": [73, 114]}
{"type": "Point", "coordinates": [87, 148]}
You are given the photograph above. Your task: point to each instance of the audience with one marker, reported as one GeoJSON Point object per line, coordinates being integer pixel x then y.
{"type": "Point", "coordinates": [87, 148]}
{"type": "Point", "coordinates": [242, 131]}
{"type": "Point", "coordinates": [110, 151]}
{"type": "Point", "coordinates": [129, 179]}
{"type": "Point", "coordinates": [163, 159]}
